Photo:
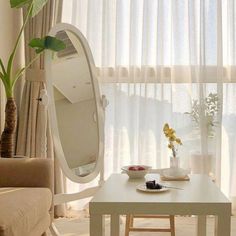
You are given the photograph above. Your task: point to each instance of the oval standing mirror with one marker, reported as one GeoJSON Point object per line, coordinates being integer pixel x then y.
{"type": "Point", "coordinates": [76, 110]}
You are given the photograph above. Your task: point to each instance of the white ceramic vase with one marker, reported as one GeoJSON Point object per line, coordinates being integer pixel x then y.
{"type": "Point", "coordinates": [202, 164]}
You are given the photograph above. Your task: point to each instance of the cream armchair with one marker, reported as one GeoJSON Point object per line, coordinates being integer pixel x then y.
{"type": "Point", "coordinates": [26, 190]}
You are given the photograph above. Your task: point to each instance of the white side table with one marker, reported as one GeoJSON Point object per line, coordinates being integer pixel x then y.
{"type": "Point", "coordinates": [118, 196]}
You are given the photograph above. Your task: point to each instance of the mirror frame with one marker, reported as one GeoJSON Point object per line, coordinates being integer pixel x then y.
{"type": "Point", "coordinates": [58, 150]}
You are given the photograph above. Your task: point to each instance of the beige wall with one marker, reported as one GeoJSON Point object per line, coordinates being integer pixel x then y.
{"type": "Point", "coordinates": [10, 21]}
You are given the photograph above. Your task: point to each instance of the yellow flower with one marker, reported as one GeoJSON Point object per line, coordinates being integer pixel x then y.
{"type": "Point", "coordinates": [170, 134]}
{"type": "Point", "coordinates": [178, 140]}
{"type": "Point", "coordinates": [171, 131]}
{"type": "Point", "coordinates": [166, 128]}
{"type": "Point", "coordinates": [172, 138]}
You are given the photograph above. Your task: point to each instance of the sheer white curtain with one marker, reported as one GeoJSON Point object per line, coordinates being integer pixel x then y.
{"type": "Point", "coordinates": [157, 61]}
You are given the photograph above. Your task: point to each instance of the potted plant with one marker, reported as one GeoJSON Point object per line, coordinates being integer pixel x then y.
{"type": "Point", "coordinates": [208, 108]}
{"type": "Point", "coordinates": [9, 78]}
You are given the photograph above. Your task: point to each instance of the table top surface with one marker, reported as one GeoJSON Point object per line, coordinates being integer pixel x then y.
{"type": "Point", "coordinates": [120, 189]}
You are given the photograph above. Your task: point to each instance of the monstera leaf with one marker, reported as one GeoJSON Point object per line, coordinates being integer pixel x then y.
{"type": "Point", "coordinates": [48, 42]}
{"type": "Point", "coordinates": [37, 5]}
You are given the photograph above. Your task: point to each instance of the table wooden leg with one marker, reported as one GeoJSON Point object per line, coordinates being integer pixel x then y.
{"type": "Point", "coordinates": [201, 225]}
{"type": "Point", "coordinates": [172, 225]}
{"type": "Point", "coordinates": [115, 225]}
{"type": "Point", "coordinates": [222, 225]}
{"type": "Point", "coordinates": [127, 224]}
{"type": "Point", "coordinates": [97, 225]}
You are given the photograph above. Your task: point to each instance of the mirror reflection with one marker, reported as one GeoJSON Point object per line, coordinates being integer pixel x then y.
{"type": "Point", "coordinates": [75, 105]}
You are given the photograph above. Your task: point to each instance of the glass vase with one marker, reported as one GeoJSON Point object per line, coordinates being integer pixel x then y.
{"type": "Point", "coordinates": [174, 162]}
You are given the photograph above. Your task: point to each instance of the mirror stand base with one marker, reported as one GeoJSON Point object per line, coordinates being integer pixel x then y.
{"type": "Point", "coordinates": [69, 197]}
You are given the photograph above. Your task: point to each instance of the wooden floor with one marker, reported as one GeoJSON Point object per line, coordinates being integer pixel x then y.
{"type": "Point", "coordinates": [185, 226]}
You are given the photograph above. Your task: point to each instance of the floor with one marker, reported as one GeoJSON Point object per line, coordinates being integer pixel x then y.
{"type": "Point", "coordinates": [185, 226]}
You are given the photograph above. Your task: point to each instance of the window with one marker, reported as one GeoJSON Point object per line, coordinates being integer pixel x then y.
{"type": "Point", "coordinates": [154, 57]}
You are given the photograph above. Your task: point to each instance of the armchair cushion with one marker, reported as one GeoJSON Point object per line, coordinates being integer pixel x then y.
{"type": "Point", "coordinates": [26, 193]}
{"type": "Point", "coordinates": [24, 211]}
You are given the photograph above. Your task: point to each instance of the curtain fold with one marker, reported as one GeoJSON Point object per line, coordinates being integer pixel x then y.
{"type": "Point", "coordinates": [34, 136]}
{"type": "Point", "coordinates": [164, 61]}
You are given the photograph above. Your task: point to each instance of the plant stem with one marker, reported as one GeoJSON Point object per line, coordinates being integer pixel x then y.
{"type": "Point", "coordinates": [173, 151]}
{"type": "Point", "coordinates": [8, 91]}
{"type": "Point", "coordinates": [3, 68]}
{"type": "Point", "coordinates": [12, 56]}
{"type": "Point", "coordinates": [2, 79]}
{"type": "Point", "coordinates": [20, 72]}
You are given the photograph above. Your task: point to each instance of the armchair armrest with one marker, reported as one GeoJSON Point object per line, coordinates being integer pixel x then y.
{"type": "Point", "coordinates": [26, 172]}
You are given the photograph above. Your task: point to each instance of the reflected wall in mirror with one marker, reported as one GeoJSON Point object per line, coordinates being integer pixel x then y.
{"type": "Point", "coordinates": [75, 104]}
